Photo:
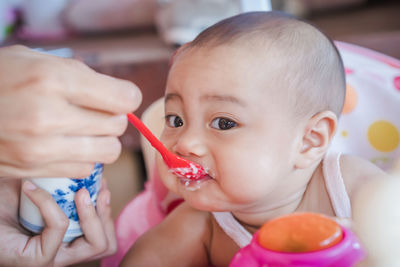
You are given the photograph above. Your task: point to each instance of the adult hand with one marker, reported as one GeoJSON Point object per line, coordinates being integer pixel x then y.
{"type": "Point", "coordinates": [19, 248]}
{"type": "Point", "coordinates": [57, 116]}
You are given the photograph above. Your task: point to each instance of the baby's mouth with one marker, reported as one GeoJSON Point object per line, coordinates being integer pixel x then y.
{"type": "Point", "coordinates": [193, 184]}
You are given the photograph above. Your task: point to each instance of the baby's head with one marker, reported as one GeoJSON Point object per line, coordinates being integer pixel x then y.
{"type": "Point", "coordinates": [255, 99]}
{"type": "Point", "coordinates": [301, 61]}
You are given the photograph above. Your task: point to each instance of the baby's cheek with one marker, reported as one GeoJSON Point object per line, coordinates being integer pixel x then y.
{"type": "Point", "coordinates": [242, 186]}
{"type": "Point", "coordinates": [168, 179]}
{"type": "Point", "coordinates": [162, 170]}
{"type": "Point", "coordinates": [250, 180]}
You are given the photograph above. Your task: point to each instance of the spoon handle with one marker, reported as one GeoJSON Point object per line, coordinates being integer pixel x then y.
{"type": "Point", "coordinates": [147, 133]}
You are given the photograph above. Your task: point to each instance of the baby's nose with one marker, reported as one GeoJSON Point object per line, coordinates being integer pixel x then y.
{"type": "Point", "coordinates": [190, 143]}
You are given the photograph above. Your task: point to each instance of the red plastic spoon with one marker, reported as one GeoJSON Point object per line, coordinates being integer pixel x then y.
{"type": "Point", "coordinates": [177, 165]}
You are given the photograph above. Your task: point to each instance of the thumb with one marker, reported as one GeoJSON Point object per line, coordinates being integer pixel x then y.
{"type": "Point", "coordinates": [56, 222]}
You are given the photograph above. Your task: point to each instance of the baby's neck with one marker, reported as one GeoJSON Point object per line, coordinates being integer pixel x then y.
{"type": "Point", "coordinates": [253, 221]}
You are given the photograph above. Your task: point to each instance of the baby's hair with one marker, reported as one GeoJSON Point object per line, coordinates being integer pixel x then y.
{"type": "Point", "coordinates": [308, 63]}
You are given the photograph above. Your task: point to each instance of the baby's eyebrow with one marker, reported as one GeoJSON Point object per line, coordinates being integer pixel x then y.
{"type": "Point", "coordinates": [172, 96]}
{"type": "Point", "coordinates": [224, 98]}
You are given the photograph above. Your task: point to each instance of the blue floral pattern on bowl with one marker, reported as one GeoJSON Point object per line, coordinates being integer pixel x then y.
{"type": "Point", "coordinates": [91, 183]}
{"type": "Point", "coordinates": [63, 191]}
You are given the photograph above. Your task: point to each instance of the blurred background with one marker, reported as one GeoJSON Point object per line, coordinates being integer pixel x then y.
{"type": "Point", "coordinates": [134, 40]}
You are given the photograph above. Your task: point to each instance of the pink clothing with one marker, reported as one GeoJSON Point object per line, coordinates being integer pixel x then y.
{"type": "Point", "coordinates": [138, 216]}
{"type": "Point", "coordinates": [336, 190]}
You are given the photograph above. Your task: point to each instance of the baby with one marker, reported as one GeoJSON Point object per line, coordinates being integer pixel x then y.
{"type": "Point", "coordinates": [254, 99]}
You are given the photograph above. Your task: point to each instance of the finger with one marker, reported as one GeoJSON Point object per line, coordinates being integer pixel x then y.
{"type": "Point", "coordinates": [55, 220]}
{"type": "Point", "coordinates": [39, 111]}
{"type": "Point", "coordinates": [82, 122]}
{"type": "Point", "coordinates": [48, 149]}
{"type": "Point", "coordinates": [67, 169]}
{"type": "Point", "coordinates": [94, 240]}
{"type": "Point", "coordinates": [102, 92]}
{"type": "Point", "coordinates": [82, 248]}
{"type": "Point", "coordinates": [104, 211]}
{"type": "Point", "coordinates": [64, 119]}
{"type": "Point", "coordinates": [90, 222]}
{"type": "Point", "coordinates": [43, 118]}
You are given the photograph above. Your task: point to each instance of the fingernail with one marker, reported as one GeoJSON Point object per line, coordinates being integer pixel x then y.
{"type": "Point", "coordinates": [87, 200]}
{"type": "Point", "coordinates": [120, 118]}
{"type": "Point", "coordinates": [29, 186]}
{"type": "Point", "coordinates": [135, 96]}
{"type": "Point", "coordinates": [107, 199]}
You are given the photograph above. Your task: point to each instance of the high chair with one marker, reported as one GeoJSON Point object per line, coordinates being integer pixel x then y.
{"type": "Point", "coordinates": [369, 127]}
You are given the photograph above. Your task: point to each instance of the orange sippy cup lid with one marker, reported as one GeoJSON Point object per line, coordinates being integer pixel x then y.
{"type": "Point", "coordinates": [300, 232]}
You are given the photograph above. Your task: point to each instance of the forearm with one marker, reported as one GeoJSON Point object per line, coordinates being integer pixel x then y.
{"type": "Point", "coordinates": [179, 240]}
{"type": "Point", "coordinates": [138, 258]}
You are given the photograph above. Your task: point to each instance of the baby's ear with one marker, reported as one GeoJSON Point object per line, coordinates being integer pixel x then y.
{"type": "Point", "coordinates": [317, 136]}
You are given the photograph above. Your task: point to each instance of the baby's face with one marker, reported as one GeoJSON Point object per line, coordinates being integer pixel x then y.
{"type": "Point", "coordinates": [222, 113]}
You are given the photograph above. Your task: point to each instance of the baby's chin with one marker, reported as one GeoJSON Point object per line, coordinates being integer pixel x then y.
{"type": "Point", "coordinates": [208, 206]}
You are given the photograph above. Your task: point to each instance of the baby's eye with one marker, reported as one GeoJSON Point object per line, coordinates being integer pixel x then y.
{"type": "Point", "coordinates": [173, 121]}
{"type": "Point", "coordinates": [223, 124]}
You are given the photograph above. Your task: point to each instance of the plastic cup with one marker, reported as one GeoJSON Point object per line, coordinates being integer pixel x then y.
{"type": "Point", "coordinates": [63, 191]}
{"type": "Point", "coordinates": [299, 231]}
